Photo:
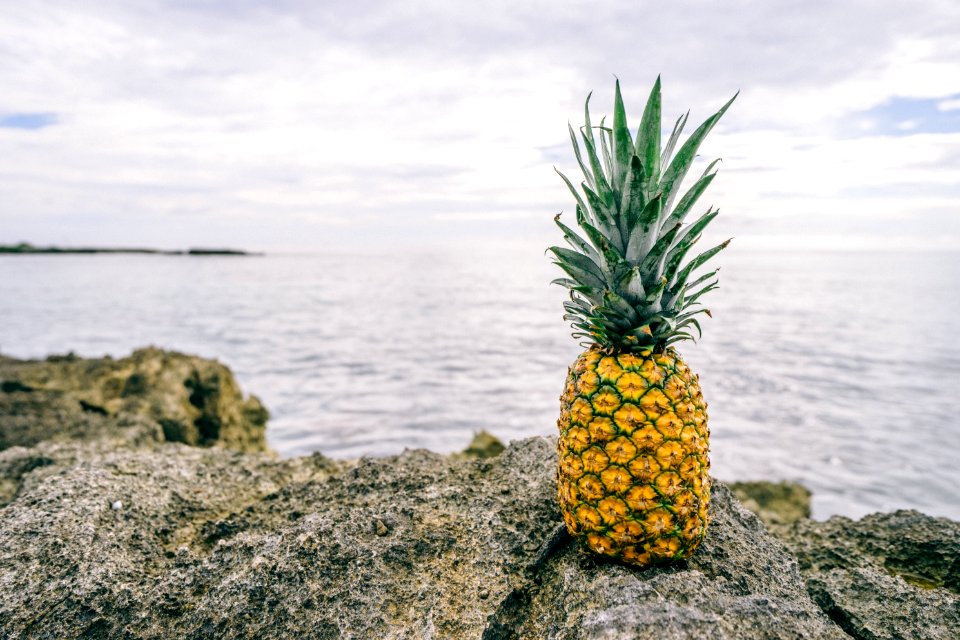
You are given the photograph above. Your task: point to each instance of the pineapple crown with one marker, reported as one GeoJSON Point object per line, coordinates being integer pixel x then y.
{"type": "Point", "coordinates": [631, 288]}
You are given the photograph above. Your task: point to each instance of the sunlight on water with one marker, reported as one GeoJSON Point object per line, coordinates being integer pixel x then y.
{"type": "Point", "coordinates": [837, 370]}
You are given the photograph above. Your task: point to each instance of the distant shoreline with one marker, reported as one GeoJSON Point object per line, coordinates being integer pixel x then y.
{"type": "Point", "coordinates": [25, 248]}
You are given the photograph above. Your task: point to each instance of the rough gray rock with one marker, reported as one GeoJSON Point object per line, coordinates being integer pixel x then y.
{"type": "Point", "coordinates": [209, 543]}
{"type": "Point", "coordinates": [893, 575]}
{"type": "Point", "coordinates": [195, 401]}
{"type": "Point", "coordinates": [740, 584]}
{"type": "Point", "coordinates": [109, 530]}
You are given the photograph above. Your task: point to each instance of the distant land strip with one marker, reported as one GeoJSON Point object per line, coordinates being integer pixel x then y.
{"type": "Point", "coordinates": [25, 247]}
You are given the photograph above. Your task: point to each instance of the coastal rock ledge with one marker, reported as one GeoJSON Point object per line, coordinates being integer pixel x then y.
{"type": "Point", "coordinates": [110, 528]}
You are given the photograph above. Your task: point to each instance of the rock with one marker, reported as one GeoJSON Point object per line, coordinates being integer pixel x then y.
{"type": "Point", "coordinates": [894, 575]}
{"type": "Point", "coordinates": [740, 584]}
{"type": "Point", "coordinates": [420, 545]}
{"type": "Point", "coordinates": [483, 445]}
{"type": "Point", "coordinates": [190, 399]}
{"type": "Point", "coordinates": [108, 529]}
{"type": "Point", "coordinates": [775, 502]}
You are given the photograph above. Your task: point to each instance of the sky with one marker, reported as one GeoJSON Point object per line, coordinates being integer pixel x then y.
{"type": "Point", "coordinates": [305, 126]}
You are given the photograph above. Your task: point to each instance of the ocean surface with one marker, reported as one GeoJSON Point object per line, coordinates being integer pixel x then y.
{"type": "Point", "coordinates": [838, 370]}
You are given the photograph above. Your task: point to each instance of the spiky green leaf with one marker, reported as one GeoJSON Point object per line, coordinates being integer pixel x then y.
{"type": "Point", "coordinates": [653, 262]}
{"type": "Point", "coordinates": [680, 164]}
{"type": "Point", "coordinates": [690, 198]}
{"type": "Point", "coordinates": [643, 230]}
{"type": "Point", "coordinates": [622, 141]}
{"type": "Point", "coordinates": [576, 241]}
{"type": "Point", "coordinates": [621, 307]}
{"type": "Point", "coordinates": [648, 139]}
{"type": "Point", "coordinates": [573, 190]}
{"type": "Point", "coordinates": [603, 214]}
{"type": "Point", "coordinates": [697, 262]}
{"type": "Point", "coordinates": [630, 286]}
{"type": "Point", "coordinates": [600, 184]}
{"type": "Point", "coordinates": [579, 267]}
{"type": "Point", "coordinates": [606, 141]}
{"type": "Point", "coordinates": [685, 241]}
{"type": "Point", "coordinates": [587, 174]}
{"type": "Point", "coordinates": [672, 140]}
{"type": "Point", "coordinates": [634, 198]}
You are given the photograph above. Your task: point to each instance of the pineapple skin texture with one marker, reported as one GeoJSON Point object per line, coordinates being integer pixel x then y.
{"type": "Point", "coordinates": [633, 468]}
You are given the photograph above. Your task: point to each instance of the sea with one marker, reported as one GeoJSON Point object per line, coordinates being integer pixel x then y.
{"type": "Point", "coordinates": [839, 370]}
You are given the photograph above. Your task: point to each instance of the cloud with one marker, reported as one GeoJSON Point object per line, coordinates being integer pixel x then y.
{"type": "Point", "coordinates": [311, 119]}
{"type": "Point", "coordinates": [949, 105]}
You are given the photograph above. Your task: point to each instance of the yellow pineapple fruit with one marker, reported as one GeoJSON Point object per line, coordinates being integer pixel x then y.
{"type": "Point", "coordinates": [633, 477]}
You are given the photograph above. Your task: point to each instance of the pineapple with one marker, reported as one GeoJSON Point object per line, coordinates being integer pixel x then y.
{"type": "Point", "coordinates": [633, 477]}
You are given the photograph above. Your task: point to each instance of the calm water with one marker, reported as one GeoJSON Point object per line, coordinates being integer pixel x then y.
{"type": "Point", "coordinates": [837, 370]}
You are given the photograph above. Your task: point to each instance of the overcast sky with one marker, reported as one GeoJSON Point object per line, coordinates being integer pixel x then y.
{"type": "Point", "coordinates": [307, 125]}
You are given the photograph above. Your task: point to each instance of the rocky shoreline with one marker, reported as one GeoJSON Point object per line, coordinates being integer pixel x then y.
{"type": "Point", "coordinates": [25, 248]}
{"type": "Point", "coordinates": [138, 499]}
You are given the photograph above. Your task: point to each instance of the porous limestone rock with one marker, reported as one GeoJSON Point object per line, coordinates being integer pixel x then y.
{"type": "Point", "coordinates": [886, 576]}
{"type": "Point", "coordinates": [108, 529]}
{"type": "Point", "coordinates": [194, 400]}
{"type": "Point", "coordinates": [211, 543]}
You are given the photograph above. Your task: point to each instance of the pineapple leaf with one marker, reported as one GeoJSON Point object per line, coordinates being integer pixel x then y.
{"type": "Point", "coordinates": [652, 264]}
{"type": "Point", "coordinates": [679, 166]}
{"type": "Point", "coordinates": [690, 197]}
{"type": "Point", "coordinates": [630, 286]}
{"type": "Point", "coordinates": [696, 296]}
{"type": "Point", "coordinates": [587, 296]}
{"type": "Point", "coordinates": [573, 190]}
{"type": "Point", "coordinates": [621, 307]}
{"type": "Point", "coordinates": [703, 278]}
{"type": "Point", "coordinates": [565, 282]}
{"type": "Point", "coordinates": [581, 275]}
{"type": "Point", "coordinates": [697, 262]}
{"type": "Point", "coordinates": [606, 141]}
{"type": "Point", "coordinates": [655, 292]}
{"type": "Point", "coordinates": [586, 119]}
{"type": "Point", "coordinates": [576, 151]}
{"type": "Point", "coordinates": [663, 325]}
{"type": "Point", "coordinates": [579, 267]}
{"type": "Point", "coordinates": [577, 259]}
{"type": "Point", "coordinates": [691, 322]}
{"type": "Point", "coordinates": [599, 178]}
{"type": "Point", "coordinates": [640, 336]}
{"type": "Point", "coordinates": [679, 336]}
{"type": "Point", "coordinates": [575, 240]}
{"type": "Point", "coordinates": [612, 321]}
{"type": "Point", "coordinates": [689, 314]}
{"type": "Point", "coordinates": [622, 141]}
{"type": "Point", "coordinates": [611, 260]}
{"type": "Point", "coordinates": [642, 230]}
{"type": "Point", "coordinates": [678, 291]}
{"type": "Point", "coordinates": [690, 235]}
{"type": "Point", "coordinates": [648, 139]}
{"type": "Point", "coordinates": [632, 202]}
{"type": "Point", "coordinates": [672, 140]}
{"type": "Point", "coordinates": [603, 214]}
{"type": "Point", "coordinates": [576, 305]}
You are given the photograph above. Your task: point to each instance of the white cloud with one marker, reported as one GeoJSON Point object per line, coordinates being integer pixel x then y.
{"type": "Point", "coordinates": [949, 105]}
{"type": "Point", "coordinates": [178, 120]}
